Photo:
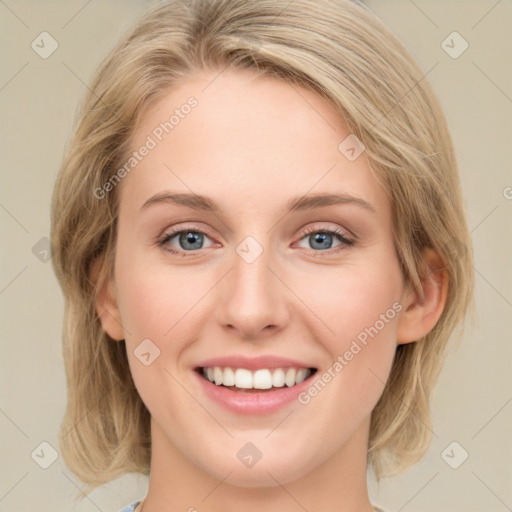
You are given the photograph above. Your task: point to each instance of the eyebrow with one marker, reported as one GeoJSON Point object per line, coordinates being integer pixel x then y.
{"type": "Point", "coordinates": [300, 203]}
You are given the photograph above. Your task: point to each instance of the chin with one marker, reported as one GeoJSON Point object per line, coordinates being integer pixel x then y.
{"type": "Point", "coordinates": [273, 472]}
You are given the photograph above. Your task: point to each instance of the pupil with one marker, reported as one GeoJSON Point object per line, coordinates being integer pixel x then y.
{"type": "Point", "coordinates": [322, 237]}
{"type": "Point", "coordinates": [191, 238]}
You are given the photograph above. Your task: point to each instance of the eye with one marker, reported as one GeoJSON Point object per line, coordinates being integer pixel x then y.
{"type": "Point", "coordinates": [188, 239]}
{"type": "Point", "coordinates": [191, 240]}
{"type": "Point", "coordinates": [323, 238]}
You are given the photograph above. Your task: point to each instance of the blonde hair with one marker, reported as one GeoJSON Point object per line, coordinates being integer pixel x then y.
{"type": "Point", "coordinates": [338, 49]}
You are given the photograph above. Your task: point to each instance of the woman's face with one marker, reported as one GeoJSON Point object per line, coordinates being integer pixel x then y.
{"type": "Point", "coordinates": [260, 276]}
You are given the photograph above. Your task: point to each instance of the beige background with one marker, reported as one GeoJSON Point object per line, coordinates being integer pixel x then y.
{"type": "Point", "coordinates": [38, 99]}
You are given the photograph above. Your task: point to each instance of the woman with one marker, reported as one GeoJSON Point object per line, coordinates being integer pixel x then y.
{"type": "Point", "coordinates": [263, 248]}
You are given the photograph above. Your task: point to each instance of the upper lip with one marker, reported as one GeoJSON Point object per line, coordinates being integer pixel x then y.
{"type": "Point", "coordinates": [253, 363]}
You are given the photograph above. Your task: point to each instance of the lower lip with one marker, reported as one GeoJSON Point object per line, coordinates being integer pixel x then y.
{"type": "Point", "coordinates": [253, 403]}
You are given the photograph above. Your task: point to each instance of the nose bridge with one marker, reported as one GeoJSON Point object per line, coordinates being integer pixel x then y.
{"type": "Point", "coordinates": [252, 297]}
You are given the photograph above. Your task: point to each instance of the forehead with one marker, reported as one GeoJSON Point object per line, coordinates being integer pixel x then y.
{"type": "Point", "coordinates": [247, 141]}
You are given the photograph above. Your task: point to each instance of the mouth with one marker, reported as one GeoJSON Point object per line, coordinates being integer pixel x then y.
{"type": "Point", "coordinates": [242, 380]}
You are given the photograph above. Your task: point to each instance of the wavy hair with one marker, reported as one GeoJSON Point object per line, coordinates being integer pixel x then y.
{"type": "Point", "coordinates": [340, 50]}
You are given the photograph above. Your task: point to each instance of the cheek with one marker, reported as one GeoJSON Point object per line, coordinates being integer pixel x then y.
{"type": "Point", "coordinates": [361, 310]}
{"type": "Point", "coordinates": [154, 311]}
{"type": "Point", "coordinates": [353, 380]}
{"type": "Point", "coordinates": [155, 299]}
{"type": "Point", "coordinates": [354, 298]}
{"type": "Point", "coordinates": [158, 303]}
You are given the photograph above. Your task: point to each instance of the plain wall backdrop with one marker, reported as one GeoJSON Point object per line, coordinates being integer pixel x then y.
{"type": "Point", "coordinates": [39, 96]}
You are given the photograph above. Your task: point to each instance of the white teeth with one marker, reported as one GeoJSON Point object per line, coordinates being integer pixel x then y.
{"type": "Point", "coordinates": [278, 378]}
{"type": "Point", "coordinates": [302, 374]}
{"type": "Point", "coordinates": [262, 379]}
{"type": "Point", "coordinates": [259, 379]}
{"type": "Point", "coordinates": [243, 378]}
{"type": "Point", "coordinates": [289, 379]}
{"type": "Point", "coordinates": [228, 378]}
{"type": "Point", "coordinates": [217, 375]}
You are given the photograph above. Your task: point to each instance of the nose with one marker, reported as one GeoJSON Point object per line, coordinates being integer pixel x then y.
{"type": "Point", "coordinates": [253, 300]}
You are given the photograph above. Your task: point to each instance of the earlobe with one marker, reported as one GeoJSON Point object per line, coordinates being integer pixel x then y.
{"type": "Point", "coordinates": [423, 308]}
{"type": "Point", "coordinates": [106, 302]}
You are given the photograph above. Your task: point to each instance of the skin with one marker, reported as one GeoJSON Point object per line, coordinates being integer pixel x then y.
{"type": "Point", "coordinates": [251, 144]}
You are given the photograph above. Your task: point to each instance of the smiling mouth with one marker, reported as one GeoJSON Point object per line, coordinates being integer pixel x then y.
{"type": "Point", "coordinates": [257, 381]}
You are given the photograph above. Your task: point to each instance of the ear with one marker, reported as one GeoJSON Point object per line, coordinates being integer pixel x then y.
{"type": "Point", "coordinates": [106, 302]}
{"type": "Point", "coordinates": [423, 307]}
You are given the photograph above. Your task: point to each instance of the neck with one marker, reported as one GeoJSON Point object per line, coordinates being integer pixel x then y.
{"type": "Point", "coordinates": [337, 484]}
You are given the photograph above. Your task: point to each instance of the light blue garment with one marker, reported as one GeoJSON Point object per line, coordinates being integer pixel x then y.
{"type": "Point", "coordinates": [130, 508]}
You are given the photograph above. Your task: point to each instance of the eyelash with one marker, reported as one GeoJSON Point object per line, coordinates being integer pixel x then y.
{"type": "Point", "coordinates": [337, 233]}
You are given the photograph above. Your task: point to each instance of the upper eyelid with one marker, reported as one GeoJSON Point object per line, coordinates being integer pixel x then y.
{"type": "Point", "coordinates": [306, 231]}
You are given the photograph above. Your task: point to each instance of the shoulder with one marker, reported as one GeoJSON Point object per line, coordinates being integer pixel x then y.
{"type": "Point", "coordinates": [130, 508]}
